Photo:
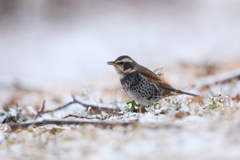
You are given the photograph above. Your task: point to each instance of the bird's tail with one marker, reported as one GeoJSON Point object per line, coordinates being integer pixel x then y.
{"type": "Point", "coordinates": [190, 94]}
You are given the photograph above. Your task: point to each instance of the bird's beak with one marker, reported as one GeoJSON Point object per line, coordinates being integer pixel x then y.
{"type": "Point", "coordinates": [112, 63]}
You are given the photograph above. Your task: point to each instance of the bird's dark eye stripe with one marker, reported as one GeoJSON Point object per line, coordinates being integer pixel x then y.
{"type": "Point", "coordinates": [127, 65]}
{"type": "Point", "coordinates": [120, 62]}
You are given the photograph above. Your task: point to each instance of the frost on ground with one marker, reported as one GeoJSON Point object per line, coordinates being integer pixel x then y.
{"type": "Point", "coordinates": [179, 127]}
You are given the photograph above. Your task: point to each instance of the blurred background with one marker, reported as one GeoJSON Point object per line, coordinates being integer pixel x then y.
{"type": "Point", "coordinates": [48, 41]}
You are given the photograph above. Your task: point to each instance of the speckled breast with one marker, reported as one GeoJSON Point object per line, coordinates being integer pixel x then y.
{"type": "Point", "coordinates": [140, 89]}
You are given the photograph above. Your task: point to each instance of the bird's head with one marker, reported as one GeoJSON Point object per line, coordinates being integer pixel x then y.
{"type": "Point", "coordinates": [124, 65]}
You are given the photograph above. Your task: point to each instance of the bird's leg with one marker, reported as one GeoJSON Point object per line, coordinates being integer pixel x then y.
{"type": "Point", "coordinates": [140, 109]}
{"type": "Point", "coordinates": [143, 109]}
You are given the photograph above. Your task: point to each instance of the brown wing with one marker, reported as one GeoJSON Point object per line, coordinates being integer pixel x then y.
{"type": "Point", "coordinates": [161, 82]}
{"type": "Point", "coordinates": [154, 78]}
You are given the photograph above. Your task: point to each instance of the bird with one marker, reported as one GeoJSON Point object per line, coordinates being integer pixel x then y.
{"type": "Point", "coordinates": [141, 84]}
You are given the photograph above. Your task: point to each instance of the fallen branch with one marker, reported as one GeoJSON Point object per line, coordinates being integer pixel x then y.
{"type": "Point", "coordinates": [15, 126]}
{"type": "Point", "coordinates": [39, 114]}
{"type": "Point", "coordinates": [207, 82]}
{"type": "Point", "coordinates": [95, 109]}
{"type": "Point", "coordinates": [76, 116]}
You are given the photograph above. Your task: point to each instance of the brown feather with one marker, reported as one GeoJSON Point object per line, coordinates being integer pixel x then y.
{"type": "Point", "coordinates": [151, 76]}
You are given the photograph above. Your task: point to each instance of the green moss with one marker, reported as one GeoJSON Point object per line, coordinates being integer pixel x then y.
{"type": "Point", "coordinates": [132, 104]}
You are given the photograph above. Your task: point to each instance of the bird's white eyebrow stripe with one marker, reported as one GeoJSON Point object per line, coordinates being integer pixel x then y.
{"type": "Point", "coordinates": [129, 70]}
{"type": "Point", "coordinates": [124, 60]}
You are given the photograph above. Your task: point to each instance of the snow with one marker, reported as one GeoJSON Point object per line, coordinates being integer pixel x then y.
{"type": "Point", "coordinates": [191, 139]}
{"type": "Point", "coordinates": [209, 135]}
{"type": "Point", "coordinates": [208, 130]}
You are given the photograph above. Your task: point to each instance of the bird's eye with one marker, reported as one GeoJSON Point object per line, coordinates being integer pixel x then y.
{"type": "Point", "coordinates": [121, 63]}
{"type": "Point", "coordinates": [127, 65]}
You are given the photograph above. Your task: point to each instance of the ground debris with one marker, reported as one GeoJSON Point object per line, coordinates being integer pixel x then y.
{"type": "Point", "coordinates": [16, 126]}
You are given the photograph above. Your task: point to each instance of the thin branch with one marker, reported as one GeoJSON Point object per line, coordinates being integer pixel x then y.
{"type": "Point", "coordinates": [95, 109]}
{"type": "Point", "coordinates": [191, 87]}
{"type": "Point", "coordinates": [220, 79]}
{"type": "Point", "coordinates": [76, 116]}
{"type": "Point", "coordinates": [39, 114]}
{"type": "Point", "coordinates": [59, 108]}
{"type": "Point", "coordinates": [92, 96]}
{"type": "Point", "coordinates": [15, 126]}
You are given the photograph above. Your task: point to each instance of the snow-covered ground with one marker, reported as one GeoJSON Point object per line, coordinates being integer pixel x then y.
{"type": "Point", "coordinates": [206, 132]}
{"type": "Point", "coordinates": [179, 127]}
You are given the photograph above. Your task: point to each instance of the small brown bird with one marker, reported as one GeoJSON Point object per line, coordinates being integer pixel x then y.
{"type": "Point", "coordinates": [141, 84]}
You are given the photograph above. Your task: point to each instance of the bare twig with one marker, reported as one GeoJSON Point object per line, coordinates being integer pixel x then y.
{"type": "Point", "coordinates": [95, 109]}
{"type": "Point", "coordinates": [76, 116]}
{"type": "Point", "coordinates": [92, 96]}
{"type": "Point", "coordinates": [61, 107]}
{"type": "Point", "coordinates": [15, 126]}
{"type": "Point", "coordinates": [191, 87]}
{"type": "Point", "coordinates": [220, 79]}
{"type": "Point", "coordinates": [39, 114]}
